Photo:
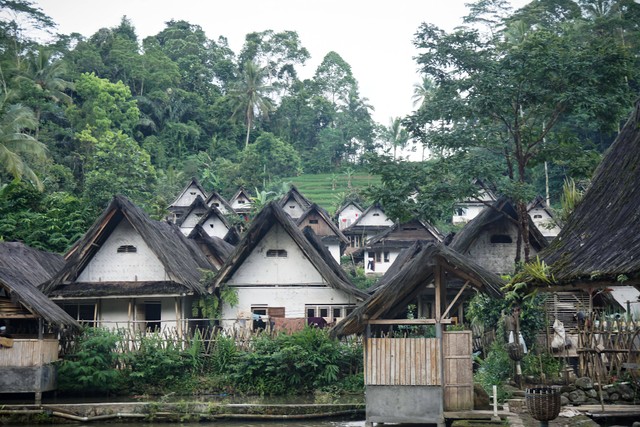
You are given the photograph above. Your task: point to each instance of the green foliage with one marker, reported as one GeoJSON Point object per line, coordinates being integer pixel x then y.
{"type": "Point", "coordinates": [209, 306]}
{"type": "Point", "coordinates": [267, 160]}
{"type": "Point", "coordinates": [543, 366]}
{"type": "Point", "coordinates": [93, 367]}
{"type": "Point", "coordinates": [160, 365]}
{"type": "Point", "coordinates": [494, 369]}
{"type": "Point", "coordinates": [289, 364]}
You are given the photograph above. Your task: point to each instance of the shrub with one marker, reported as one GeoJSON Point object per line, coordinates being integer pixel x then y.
{"type": "Point", "coordinates": [93, 367]}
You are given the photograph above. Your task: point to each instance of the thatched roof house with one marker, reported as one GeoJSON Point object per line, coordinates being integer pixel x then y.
{"type": "Point", "coordinates": [22, 269]}
{"type": "Point", "coordinates": [411, 278]}
{"type": "Point", "coordinates": [215, 199]}
{"type": "Point", "coordinates": [215, 249]}
{"type": "Point", "coordinates": [490, 239]}
{"type": "Point", "coordinates": [180, 258]}
{"type": "Point", "coordinates": [294, 202]}
{"type": "Point", "coordinates": [600, 244]}
{"type": "Point", "coordinates": [273, 215]}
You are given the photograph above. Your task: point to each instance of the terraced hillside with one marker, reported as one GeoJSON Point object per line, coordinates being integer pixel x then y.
{"type": "Point", "coordinates": [327, 190]}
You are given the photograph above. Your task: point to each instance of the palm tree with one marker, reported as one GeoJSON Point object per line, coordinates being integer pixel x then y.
{"type": "Point", "coordinates": [398, 136]}
{"type": "Point", "coordinates": [250, 95]}
{"type": "Point", "coordinates": [15, 143]}
{"type": "Point", "coordinates": [46, 74]}
{"type": "Point", "coordinates": [422, 92]}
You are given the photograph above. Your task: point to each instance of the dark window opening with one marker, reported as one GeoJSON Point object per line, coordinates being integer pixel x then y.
{"type": "Point", "coordinates": [153, 315]}
{"type": "Point", "coordinates": [501, 238]}
{"type": "Point", "coordinates": [292, 206]}
{"type": "Point", "coordinates": [324, 312]}
{"type": "Point", "coordinates": [409, 228]}
{"type": "Point", "coordinates": [537, 216]}
{"type": "Point", "coordinates": [459, 211]}
{"type": "Point", "coordinates": [217, 205]}
{"type": "Point", "coordinates": [241, 202]}
{"type": "Point", "coordinates": [337, 312]}
{"type": "Point", "coordinates": [81, 312]}
{"type": "Point", "coordinates": [376, 214]}
{"type": "Point", "coordinates": [277, 253]}
{"type": "Point", "coordinates": [211, 225]}
{"type": "Point", "coordinates": [193, 193]}
{"type": "Point", "coordinates": [313, 221]}
{"type": "Point", "coordinates": [258, 316]}
{"type": "Point", "coordinates": [127, 249]}
{"type": "Point", "coordinates": [378, 257]}
{"type": "Point", "coordinates": [311, 312]}
{"type": "Point", "coordinates": [386, 257]}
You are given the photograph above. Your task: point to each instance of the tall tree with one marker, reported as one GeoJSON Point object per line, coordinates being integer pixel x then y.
{"type": "Point", "coordinates": [507, 101]}
{"type": "Point", "coordinates": [250, 96]}
{"type": "Point", "coordinates": [16, 143]}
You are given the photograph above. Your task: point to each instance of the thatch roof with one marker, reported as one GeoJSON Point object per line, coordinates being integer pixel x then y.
{"type": "Point", "coordinates": [317, 210]}
{"type": "Point", "coordinates": [241, 193]}
{"type": "Point", "coordinates": [213, 247]}
{"type": "Point", "coordinates": [214, 211]}
{"type": "Point", "coordinates": [601, 239]}
{"type": "Point", "coordinates": [270, 216]}
{"type": "Point", "coordinates": [416, 272]}
{"type": "Point", "coordinates": [397, 237]}
{"type": "Point", "coordinates": [181, 257]}
{"type": "Point", "coordinates": [501, 210]}
{"type": "Point", "coordinates": [297, 196]}
{"type": "Point", "coordinates": [22, 269]}
{"type": "Point", "coordinates": [193, 183]}
{"type": "Point", "coordinates": [198, 203]}
{"type": "Point", "coordinates": [223, 202]}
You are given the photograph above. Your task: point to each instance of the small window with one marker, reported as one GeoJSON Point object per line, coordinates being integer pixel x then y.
{"type": "Point", "coordinates": [537, 216]}
{"type": "Point", "coordinates": [501, 238]}
{"type": "Point", "coordinates": [292, 206]}
{"type": "Point", "coordinates": [459, 211]}
{"type": "Point", "coordinates": [378, 257]}
{"type": "Point", "coordinates": [371, 254]}
{"type": "Point", "coordinates": [376, 214]}
{"type": "Point", "coordinates": [277, 253]}
{"type": "Point", "coordinates": [349, 310]}
{"type": "Point", "coordinates": [311, 312]}
{"type": "Point", "coordinates": [127, 249]}
{"type": "Point", "coordinates": [193, 193]}
{"type": "Point", "coordinates": [337, 312]}
{"type": "Point", "coordinates": [210, 225]}
{"type": "Point", "coordinates": [241, 202]}
{"type": "Point", "coordinates": [199, 215]}
{"type": "Point", "coordinates": [409, 228]}
{"type": "Point", "coordinates": [324, 312]}
{"type": "Point", "coordinates": [313, 221]}
{"type": "Point", "coordinates": [216, 204]}
{"type": "Point", "coordinates": [386, 257]}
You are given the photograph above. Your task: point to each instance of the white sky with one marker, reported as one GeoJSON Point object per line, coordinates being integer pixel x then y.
{"type": "Point", "coordinates": [373, 36]}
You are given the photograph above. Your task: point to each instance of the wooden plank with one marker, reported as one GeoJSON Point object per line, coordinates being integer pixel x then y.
{"type": "Point", "coordinates": [406, 321]}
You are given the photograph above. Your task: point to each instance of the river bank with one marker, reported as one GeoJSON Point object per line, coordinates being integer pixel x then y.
{"type": "Point", "coordinates": [167, 412]}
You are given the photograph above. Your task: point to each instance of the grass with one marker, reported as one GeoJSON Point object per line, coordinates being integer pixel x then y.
{"type": "Point", "coordinates": [328, 190]}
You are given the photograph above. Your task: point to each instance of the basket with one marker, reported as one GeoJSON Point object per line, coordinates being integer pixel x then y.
{"type": "Point", "coordinates": [516, 351]}
{"type": "Point", "coordinates": [543, 403]}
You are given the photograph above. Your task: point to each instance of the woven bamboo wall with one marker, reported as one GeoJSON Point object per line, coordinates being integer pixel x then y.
{"type": "Point", "coordinates": [28, 352]}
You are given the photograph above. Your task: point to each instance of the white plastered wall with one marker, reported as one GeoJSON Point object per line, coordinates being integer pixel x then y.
{"type": "Point", "coordinates": [348, 216]}
{"type": "Point", "coordinates": [107, 265]}
{"type": "Point", "coordinates": [375, 217]}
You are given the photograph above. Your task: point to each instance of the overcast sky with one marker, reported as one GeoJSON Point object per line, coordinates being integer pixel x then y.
{"type": "Point", "coordinates": [373, 36]}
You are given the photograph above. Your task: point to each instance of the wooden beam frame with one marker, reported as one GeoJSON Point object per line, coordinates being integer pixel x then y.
{"type": "Point", "coordinates": [446, 312]}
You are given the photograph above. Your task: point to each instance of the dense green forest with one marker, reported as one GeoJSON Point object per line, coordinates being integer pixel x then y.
{"type": "Point", "coordinates": [504, 96]}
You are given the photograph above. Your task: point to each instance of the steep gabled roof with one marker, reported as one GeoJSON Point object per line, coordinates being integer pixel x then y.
{"type": "Point", "coordinates": [211, 212]}
{"type": "Point", "coordinates": [213, 246]}
{"type": "Point", "coordinates": [181, 257]}
{"type": "Point", "coordinates": [193, 183]}
{"type": "Point", "coordinates": [601, 239]}
{"type": "Point", "coordinates": [296, 195]}
{"type": "Point", "coordinates": [314, 208]}
{"type": "Point", "coordinates": [501, 210]}
{"type": "Point", "coordinates": [417, 271]}
{"type": "Point", "coordinates": [216, 196]}
{"type": "Point", "coordinates": [22, 269]}
{"type": "Point", "coordinates": [198, 203]}
{"type": "Point", "coordinates": [539, 202]}
{"type": "Point", "coordinates": [270, 216]}
{"type": "Point", "coordinates": [387, 237]}
{"type": "Point", "coordinates": [346, 204]}
{"type": "Point", "coordinates": [356, 223]}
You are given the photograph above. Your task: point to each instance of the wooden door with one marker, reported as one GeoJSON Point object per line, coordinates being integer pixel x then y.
{"type": "Point", "coordinates": [458, 371]}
